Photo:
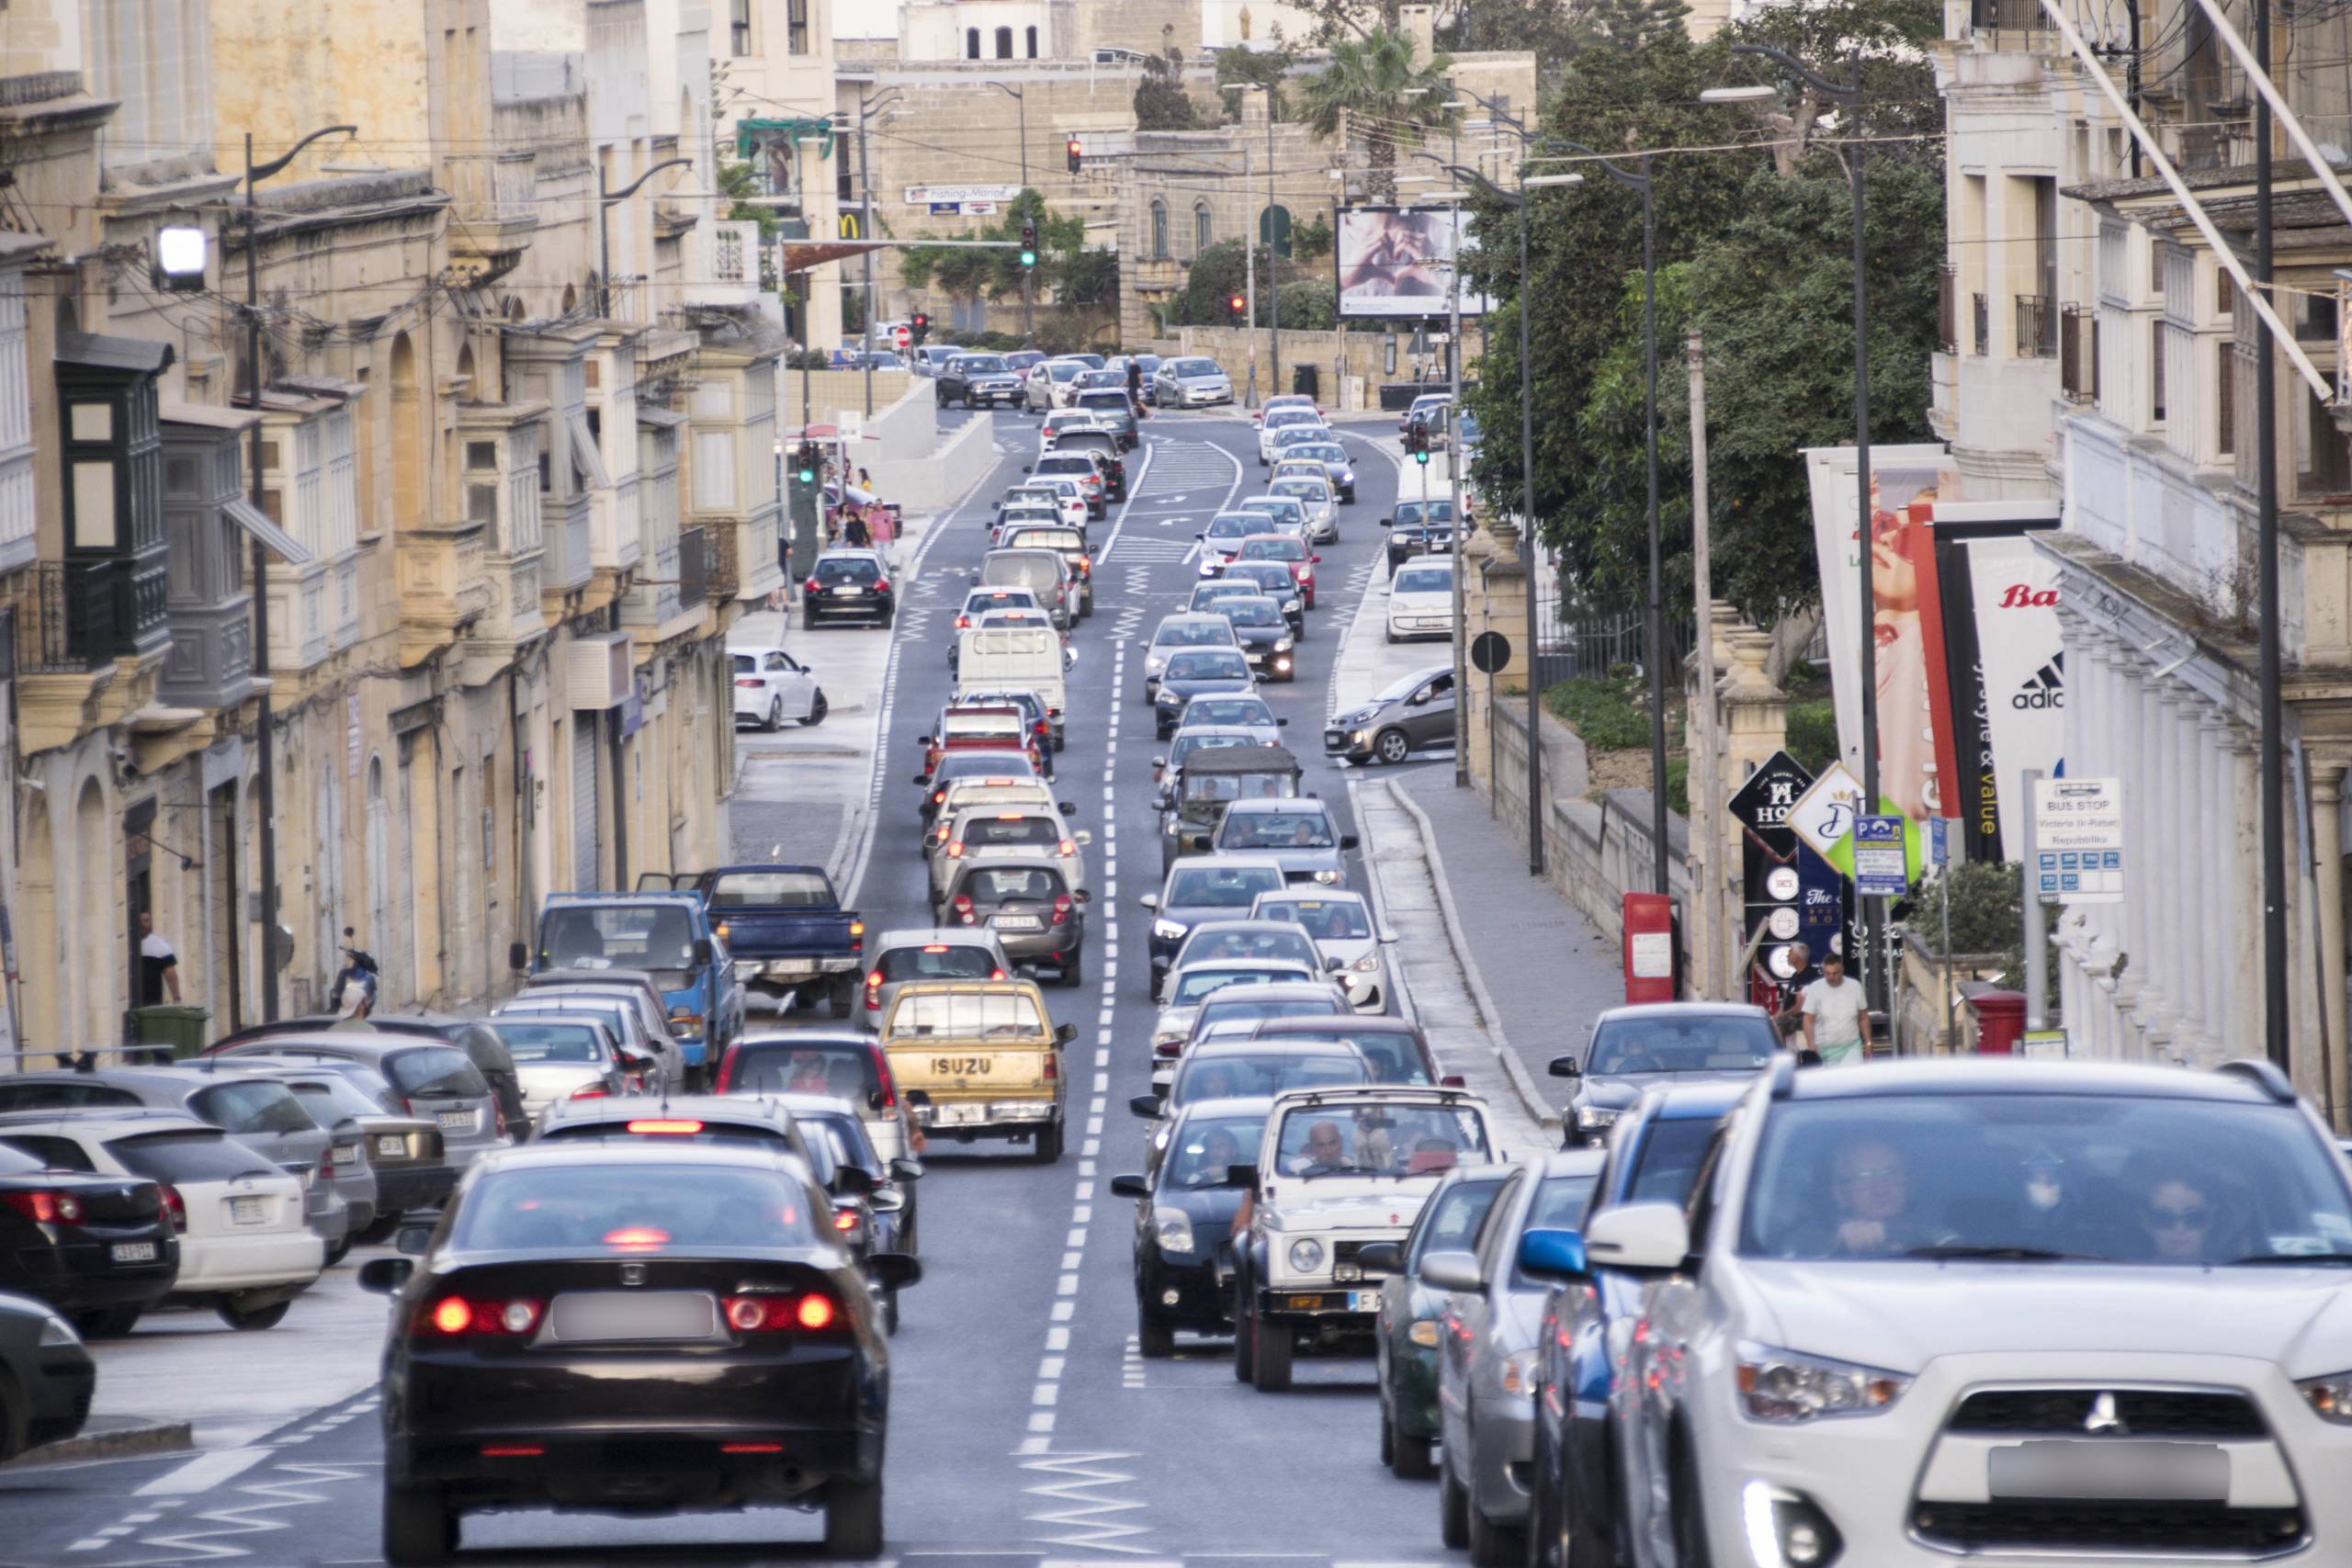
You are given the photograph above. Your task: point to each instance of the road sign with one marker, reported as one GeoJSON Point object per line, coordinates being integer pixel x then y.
{"type": "Point", "coordinates": [1939, 841]}
{"type": "Point", "coordinates": [1824, 813]}
{"type": "Point", "coordinates": [2078, 841]}
{"type": "Point", "coordinates": [1489, 651]}
{"type": "Point", "coordinates": [901, 336]}
{"type": "Point", "coordinates": [1762, 803]}
{"type": "Point", "coordinates": [1879, 871]}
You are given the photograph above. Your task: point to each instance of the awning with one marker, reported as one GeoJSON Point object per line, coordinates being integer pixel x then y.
{"type": "Point", "coordinates": [280, 543]}
{"type": "Point", "coordinates": [799, 256]}
{"type": "Point", "coordinates": [586, 461]}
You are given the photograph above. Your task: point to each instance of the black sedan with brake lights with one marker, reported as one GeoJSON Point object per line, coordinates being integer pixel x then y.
{"type": "Point", "coordinates": [608, 1326]}
{"type": "Point", "coordinates": [99, 1249]}
{"type": "Point", "coordinates": [1185, 1209]}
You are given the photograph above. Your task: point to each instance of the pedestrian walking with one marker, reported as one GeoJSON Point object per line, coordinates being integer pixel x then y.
{"type": "Point", "coordinates": [1837, 1022]}
{"type": "Point", "coordinates": [159, 966]}
{"type": "Point", "coordinates": [853, 533]}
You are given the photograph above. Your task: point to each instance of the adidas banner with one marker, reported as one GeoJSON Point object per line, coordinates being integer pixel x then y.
{"type": "Point", "coordinates": [2004, 663]}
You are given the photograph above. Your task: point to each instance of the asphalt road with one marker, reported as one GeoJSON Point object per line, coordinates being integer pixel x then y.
{"type": "Point", "coordinates": [1024, 1426]}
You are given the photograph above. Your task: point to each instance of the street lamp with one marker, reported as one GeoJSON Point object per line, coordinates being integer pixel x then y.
{"type": "Point", "coordinates": [867, 105]}
{"type": "Point", "coordinates": [605, 201]}
{"type": "Point", "coordinates": [1848, 93]}
{"type": "Point", "coordinates": [1454, 469]}
{"type": "Point", "coordinates": [265, 757]}
{"type": "Point", "coordinates": [1028, 275]}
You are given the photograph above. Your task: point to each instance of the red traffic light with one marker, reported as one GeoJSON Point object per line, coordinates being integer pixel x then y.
{"type": "Point", "coordinates": [1236, 304]}
{"type": "Point", "coordinates": [1077, 155]}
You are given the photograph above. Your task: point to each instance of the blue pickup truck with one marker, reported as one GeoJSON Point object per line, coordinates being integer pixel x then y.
{"type": "Point", "coordinates": [672, 935]}
{"type": "Point", "coordinates": [785, 928]}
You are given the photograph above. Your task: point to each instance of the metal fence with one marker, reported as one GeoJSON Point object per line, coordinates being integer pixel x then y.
{"type": "Point", "coordinates": [1582, 639]}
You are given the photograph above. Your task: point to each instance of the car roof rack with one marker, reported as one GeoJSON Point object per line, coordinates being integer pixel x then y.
{"type": "Point", "coordinates": [2262, 1074]}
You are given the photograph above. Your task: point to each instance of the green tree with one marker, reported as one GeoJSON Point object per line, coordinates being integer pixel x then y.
{"type": "Point", "coordinates": [1216, 275]}
{"type": "Point", "coordinates": [1065, 269]}
{"type": "Point", "coordinates": [1377, 87]}
{"type": "Point", "coordinates": [1241, 66]}
{"type": "Point", "coordinates": [1161, 103]}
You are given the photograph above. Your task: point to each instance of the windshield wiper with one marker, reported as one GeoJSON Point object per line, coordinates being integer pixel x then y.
{"type": "Point", "coordinates": [2288, 1259]}
{"type": "Point", "coordinates": [2000, 1255]}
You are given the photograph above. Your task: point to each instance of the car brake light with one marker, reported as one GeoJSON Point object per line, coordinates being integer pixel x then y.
{"type": "Point", "coordinates": [813, 586]}
{"type": "Point", "coordinates": [963, 907]}
{"type": "Point", "coordinates": [1061, 910]}
{"type": "Point", "coordinates": [46, 1208]}
{"type": "Point", "coordinates": [1070, 847]}
{"type": "Point", "coordinates": [874, 981]}
{"type": "Point", "coordinates": [845, 1220]}
{"type": "Point", "coordinates": [751, 682]}
{"type": "Point", "coordinates": [750, 1447]}
{"type": "Point", "coordinates": [457, 1314]}
{"type": "Point", "coordinates": [1052, 1072]}
{"type": "Point", "coordinates": [174, 1204]}
{"type": "Point", "coordinates": [635, 1239]}
{"type": "Point", "coordinates": [955, 849]}
{"type": "Point", "coordinates": [881, 585]}
{"type": "Point", "coordinates": [589, 1091]}
{"type": "Point", "coordinates": [666, 1124]}
{"type": "Point", "coordinates": [883, 1076]}
{"type": "Point", "coordinates": [996, 973]}
{"type": "Point", "coordinates": [726, 1072]}
{"type": "Point", "coordinates": [512, 1450]}
{"type": "Point", "coordinates": [753, 1314]}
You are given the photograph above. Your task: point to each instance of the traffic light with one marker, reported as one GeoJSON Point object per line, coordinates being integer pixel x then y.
{"type": "Point", "coordinates": [1235, 306]}
{"type": "Point", "coordinates": [1028, 242]}
{"type": "Point", "coordinates": [804, 464]}
{"type": "Point", "coordinates": [1417, 441]}
{"type": "Point", "coordinates": [1077, 156]}
{"type": "Point", "coordinates": [918, 327]}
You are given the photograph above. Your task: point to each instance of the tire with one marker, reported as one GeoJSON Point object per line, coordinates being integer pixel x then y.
{"type": "Point", "coordinates": [1493, 1545]}
{"type": "Point", "coordinates": [890, 1313]}
{"type": "Point", "coordinates": [1392, 747]}
{"type": "Point", "coordinates": [1072, 979]}
{"type": "Point", "coordinates": [853, 1518]}
{"type": "Point", "coordinates": [838, 1001]}
{"type": "Point", "coordinates": [807, 621]}
{"type": "Point", "coordinates": [1388, 1437]}
{"type": "Point", "coordinates": [337, 1251]}
{"type": "Point", "coordinates": [107, 1323]}
{"type": "Point", "coordinates": [418, 1526]}
{"type": "Point", "coordinates": [1689, 1515]}
{"type": "Point", "coordinates": [1453, 1510]}
{"type": "Point", "coordinates": [15, 1420]}
{"type": "Point", "coordinates": [1244, 1332]}
{"type": "Point", "coordinates": [250, 1320]}
{"type": "Point", "coordinates": [1154, 1338]}
{"type": "Point", "coordinates": [1049, 1146]}
{"type": "Point", "coordinates": [1388, 634]}
{"type": "Point", "coordinates": [1270, 1371]}
{"type": "Point", "coordinates": [774, 719]}
{"type": "Point", "coordinates": [1411, 1460]}
{"type": "Point", "coordinates": [817, 711]}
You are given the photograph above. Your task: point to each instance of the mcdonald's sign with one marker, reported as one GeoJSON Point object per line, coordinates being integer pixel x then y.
{"type": "Point", "coordinates": [849, 229]}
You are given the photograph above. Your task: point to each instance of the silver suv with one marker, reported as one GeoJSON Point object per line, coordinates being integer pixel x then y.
{"type": "Point", "coordinates": [2067, 1312]}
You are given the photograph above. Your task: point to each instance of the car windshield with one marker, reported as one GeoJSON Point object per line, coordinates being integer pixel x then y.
{"type": "Point", "coordinates": [1195, 367]}
{"type": "Point", "coordinates": [1455, 1218]}
{"type": "Point", "coordinates": [1393, 1057]}
{"type": "Point", "coordinates": [1322, 452]}
{"type": "Point", "coordinates": [1009, 828]}
{"type": "Point", "coordinates": [1259, 942]}
{"type": "Point", "coordinates": [1668, 1160]}
{"type": "Point", "coordinates": [332, 1098]}
{"type": "Point", "coordinates": [1231, 711]}
{"type": "Point", "coordinates": [1325, 920]}
{"type": "Point", "coordinates": [436, 1072]}
{"type": "Point", "coordinates": [619, 1018]}
{"type": "Point", "coordinates": [967, 1015]}
{"type": "Point", "coordinates": [1275, 830]}
{"type": "Point", "coordinates": [1274, 549]}
{"type": "Point", "coordinates": [1280, 507]}
{"type": "Point", "coordinates": [1252, 612]}
{"type": "Point", "coordinates": [1423, 580]}
{"type": "Point", "coordinates": [1270, 578]}
{"type": "Point", "coordinates": [746, 665]}
{"type": "Point", "coordinates": [999, 599]}
{"type": "Point", "coordinates": [1224, 1075]}
{"type": "Point", "coordinates": [1010, 885]}
{"type": "Point", "coordinates": [1199, 984]}
{"type": "Point", "coordinates": [1077, 467]}
{"type": "Point", "coordinates": [844, 1069]}
{"type": "Point", "coordinates": [188, 1156]}
{"type": "Point", "coordinates": [1662, 1044]}
{"type": "Point", "coordinates": [2103, 1178]}
{"type": "Point", "coordinates": [632, 1209]}
{"type": "Point", "coordinates": [1220, 887]}
{"type": "Point", "coordinates": [1062, 371]}
{"type": "Point", "coordinates": [1305, 489]}
{"type": "Point", "coordinates": [617, 936]}
{"type": "Point", "coordinates": [254, 1107]}
{"type": "Point", "coordinates": [938, 961]}
{"type": "Point", "coordinates": [847, 568]}
{"type": "Point", "coordinates": [1293, 416]}
{"type": "Point", "coordinates": [1192, 634]}
{"type": "Point", "coordinates": [771, 889]}
{"type": "Point", "coordinates": [1248, 1009]}
{"type": "Point", "coordinates": [1207, 595]}
{"type": "Point", "coordinates": [1207, 1146]}
{"type": "Point", "coordinates": [1410, 513]}
{"type": "Point", "coordinates": [980, 365]}
{"type": "Point", "coordinates": [1232, 527]}
{"type": "Point", "coordinates": [1407, 687]}
{"type": "Point", "coordinates": [1223, 788]}
{"type": "Point", "coordinates": [550, 1042]}
{"type": "Point", "coordinates": [1208, 664]}
{"type": "Point", "coordinates": [1374, 1138]}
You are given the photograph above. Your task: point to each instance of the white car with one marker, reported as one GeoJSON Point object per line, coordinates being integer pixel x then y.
{"type": "Point", "coordinates": [1190, 383]}
{"type": "Point", "coordinates": [771, 686]}
{"type": "Point", "coordinates": [1934, 1311]}
{"type": "Point", "coordinates": [1337, 1170]}
{"type": "Point", "coordinates": [1061, 419]}
{"type": "Point", "coordinates": [1285, 400]}
{"type": "Point", "coordinates": [1221, 540]}
{"type": "Point", "coordinates": [618, 1011]}
{"type": "Point", "coordinates": [245, 1249]}
{"type": "Point", "coordinates": [1290, 418]}
{"type": "Point", "coordinates": [1420, 601]}
{"type": "Point", "coordinates": [1048, 384]}
{"type": "Point", "coordinates": [1314, 492]}
{"type": "Point", "coordinates": [573, 1058]}
{"type": "Point", "coordinates": [1343, 927]}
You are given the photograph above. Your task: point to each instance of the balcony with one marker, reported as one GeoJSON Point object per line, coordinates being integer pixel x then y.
{"type": "Point", "coordinates": [66, 617]}
{"type": "Point", "coordinates": [721, 576]}
{"type": "Point", "coordinates": [445, 586]}
{"type": "Point", "coordinates": [1981, 310]}
{"type": "Point", "coordinates": [1947, 310]}
{"type": "Point", "coordinates": [492, 215]}
{"type": "Point", "coordinates": [2006, 16]}
{"type": "Point", "coordinates": [694, 569]}
{"type": "Point", "coordinates": [2037, 325]}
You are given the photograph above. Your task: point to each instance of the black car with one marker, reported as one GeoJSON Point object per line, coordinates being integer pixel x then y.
{"type": "Point", "coordinates": [99, 1249]}
{"type": "Point", "coordinates": [1420, 528]}
{"type": "Point", "coordinates": [1265, 632]}
{"type": "Point", "coordinates": [852, 585]}
{"type": "Point", "coordinates": [1185, 1209]}
{"type": "Point", "coordinates": [1658, 1044]}
{"type": "Point", "coordinates": [1274, 581]}
{"type": "Point", "coordinates": [1191, 673]}
{"type": "Point", "coordinates": [1105, 445]}
{"type": "Point", "coordinates": [978, 381]}
{"type": "Point", "coordinates": [49, 1377]}
{"type": "Point", "coordinates": [653, 1326]}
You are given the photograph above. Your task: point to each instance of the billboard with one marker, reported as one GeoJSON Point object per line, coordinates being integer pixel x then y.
{"type": "Point", "coordinates": [2004, 662]}
{"type": "Point", "coordinates": [1398, 261]}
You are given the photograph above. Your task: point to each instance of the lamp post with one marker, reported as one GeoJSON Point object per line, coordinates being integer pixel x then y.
{"type": "Point", "coordinates": [1873, 909]}
{"type": "Point", "coordinates": [605, 201]}
{"type": "Point", "coordinates": [1453, 472]}
{"type": "Point", "coordinates": [867, 105]}
{"type": "Point", "coordinates": [1028, 275]}
{"type": "Point", "coordinates": [264, 753]}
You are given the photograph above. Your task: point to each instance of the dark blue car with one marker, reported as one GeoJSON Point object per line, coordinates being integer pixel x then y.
{"type": "Point", "coordinates": [1576, 1517]}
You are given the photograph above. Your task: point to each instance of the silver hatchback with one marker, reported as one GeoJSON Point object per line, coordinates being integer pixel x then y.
{"type": "Point", "coordinates": [435, 1081]}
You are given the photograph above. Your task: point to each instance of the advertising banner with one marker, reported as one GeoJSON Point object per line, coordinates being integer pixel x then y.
{"type": "Point", "coordinates": [2003, 662]}
{"type": "Point", "coordinates": [1398, 261]}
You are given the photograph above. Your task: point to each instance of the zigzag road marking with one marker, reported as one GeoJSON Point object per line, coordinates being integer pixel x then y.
{"type": "Point", "coordinates": [1088, 1520]}
{"type": "Point", "coordinates": [303, 1485]}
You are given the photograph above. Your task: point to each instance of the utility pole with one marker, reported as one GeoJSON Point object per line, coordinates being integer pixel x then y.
{"type": "Point", "coordinates": [1706, 831]}
{"type": "Point", "coordinates": [865, 232]}
{"type": "Point", "coordinates": [2274, 1015]}
{"type": "Point", "coordinates": [1274, 268]}
{"type": "Point", "coordinates": [1453, 472]}
{"type": "Point", "coordinates": [1249, 277]}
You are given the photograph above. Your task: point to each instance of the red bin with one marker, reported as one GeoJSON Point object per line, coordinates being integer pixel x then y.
{"type": "Point", "coordinates": [2000, 1022]}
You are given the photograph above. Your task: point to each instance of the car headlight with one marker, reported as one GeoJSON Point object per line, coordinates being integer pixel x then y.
{"type": "Point", "coordinates": [1423, 1332]}
{"type": "Point", "coordinates": [1283, 644]}
{"type": "Point", "coordinates": [1168, 696]}
{"type": "Point", "coordinates": [1306, 1257]}
{"type": "Point", "coordinates": [1154, 663]}
{"type": "Point", "coordinates": [55, 1330]}
{"type": "Point", "coordinates": [1368, 963]}
{"type": "Point", "coordinates": [1360, 738]}
{"type": "Point", "coordinates": [1519, 1374]}
{"type": "Point", "coordinates": [1289, 605]}
{"type": "Point", "coordinates": [2330, 1396]}
{"type": "Point", "coordinates": [1593, 1118]}
{"type": "Point", "coordinates": [1781, 1385]}
{"type": "Point", "coordinates": [1168, 930]}
{"type": "Point", "coordinates": [1327, 875]}
{"type": "Point", "coordinates": [1175, 1228]}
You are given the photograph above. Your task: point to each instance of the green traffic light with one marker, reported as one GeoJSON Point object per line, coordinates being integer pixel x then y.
{"type": "Point", "coordinates": [1028, 258]}
{"type": "Point", "coordinates": [1422, 455]}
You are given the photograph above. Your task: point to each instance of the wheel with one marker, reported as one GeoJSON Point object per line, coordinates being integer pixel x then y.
{"type": "Point", "coordinates": [16, 1419]}
{"type": "Point", "coordinates": [1071, 978]}
{"type": "Point", "coordinates": [1391, 745]}
{"type": "Point", "coordinates": [1411, 1460]}
{"type": "Point", "coordinates": [1049, 1145]}
{"type": "Point", "coordinates": [418, 1526]}
{"type": "Point", "coordinates": [1155, 1338]}
{"type": "Point", "coordinates": [853, 1518]}
{"type": "Point", "coordinates": [890, 1313]}
{"type": "Point", "coordinates": [1271, 1374]}
{"type": "Point", "coordinates": [1453, 1510]}
{"type": "Point", "coordinates": [817, 710]}
{"type": "Point", "coordinates": [338, 1250]}
{"type": "Point", "coordinates": [1388, 1437]}
{"type": "Point", "coordinates": [1388, 634]}
{"type": "Point", "coordinates": [838, 1001]}
{"type": "Point", "coordinates": [1492, 1545]}
{"type": "Point", "coordinates": [1690, 1519]}
{"type": "Point", "coordinates": [773, 720]}
{"type": "Point", "coordinates": [107, 1323]}
{"type": "Point", "coordinates": [249, 1319]}
{"type": "Point", "coordinates": [888, 618]}
{"type": "Point", "coordinates": [807, 621]}
{"type": "Point", "coordinates": [1244, 1332]}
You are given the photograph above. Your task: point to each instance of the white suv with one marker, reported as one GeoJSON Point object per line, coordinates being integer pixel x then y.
{"type": "Point", "coordinates": [2065, 1312]}
{"type": "Point", "coordinates": [1338, 1169]}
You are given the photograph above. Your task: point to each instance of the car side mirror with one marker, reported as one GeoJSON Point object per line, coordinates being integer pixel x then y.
{"type": "Point", "coordinates": [1081, 837]}
{"type": "Point", "coordinates": [1082, 895]}
{"type": "Point", "coordinates": [1064, 1033]}
{"type": "Point", "coordinates": [1347, 840]}
{"type": "Point", "coordinates": [704, 952]}
{"type": "Point", "coordinates": [1282, 724]}
{"type": "Point", "coordinates": [886, 1202]}
{"type": "Point", "coordinates": [918, 1098]}
{"type": "Point", "coordinates": [893, 1271]}
{"type": "Point", "coordinates": [1241, 1176]}
{"type": "Point", "coordinates": [518, 957]}
{"type": "Point", "coordinates": [1566, 1068]}
{"type": "Point", "coordinates": [1452, 1272]}
{"type": "Point", "coordinates": [1315, 560]}
{"type": "Point", "coordinates": [904, 1169]}
{"type": "Point", "coordinates": [1381, 1256]}
{"type": "Point", "coordinates": [921, 780]}
{"type": "Point", "coordinates": [851, 1181]}
{"type": "Point", "coordinates": [1026, 469]}
{"type": "Point", "coordinates": [1639, 1237]}
{"type": "Point", "coordinates": [1388, 522]}
{"type": "Point", "coordinates": [1128, 1187]}
{"type": "Point", "coordinates": [1552, 1254]}
{"type": "Point", "coordinates": [1150, 900]}
{"type": "Point", "coordinates": [1389, 933]}
{"type": "Point", "coordinates": [1333, 963]}
{"type": "Point", "coordinates": [1147, 1106]}
{"type": "Point", "coordinates": [1159, 766]}
{"type": "Point", "coordinates": [415, 1241]}
{"type": "Point", "coordinates": [1066, 808]}
{"type": "Point", "coordinates": [386, 1276]}
{"type": "Point", "coordinates": [926, 740]}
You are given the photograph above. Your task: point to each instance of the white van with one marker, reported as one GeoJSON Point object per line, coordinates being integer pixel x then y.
{"type": "Point", "coordinates": [990, 659]}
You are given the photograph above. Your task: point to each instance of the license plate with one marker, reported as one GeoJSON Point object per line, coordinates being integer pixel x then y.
{"type": "Point", "coordinates": [847, 592]}
{"type": "Point", "coordinates": [793, 966]}
{"type": "Point", "coordinates": [134, 1252]}
{"type": "Point", "coordinates": [633, 1315]}
{"type": "Point", "coordinates": [950, 1114]}
{"type": "Point", "coordinates": [457, 1120]}
{"type": "Point", "coordinates": [1335, 741]}
{"type": "Point", "coordinates": [1017, 923]}
{"type": "Point", "coordinates": [346, 1154]}
{"type": "Point", "coordinates": [961, 1067]}
{"type": "Point", "coordinates": [2115, 1467]}
{"type": "Point", "coordinates": [1364, 1301]}
{"type": "Point", "coordinates": [247, 1212]}
{"type": "Point", "coordinates": [392, 1144]}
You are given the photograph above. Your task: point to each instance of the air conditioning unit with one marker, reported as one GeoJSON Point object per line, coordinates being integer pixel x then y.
{"type": "Point", "coordinates": [599, 676]}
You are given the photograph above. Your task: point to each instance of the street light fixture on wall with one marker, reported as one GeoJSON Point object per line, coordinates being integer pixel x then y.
{"type": "Point", "coordinates": [180, 256]}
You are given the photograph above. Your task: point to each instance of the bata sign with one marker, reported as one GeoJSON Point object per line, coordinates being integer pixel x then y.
{"type": "Point", "coordinates": [935, 195]}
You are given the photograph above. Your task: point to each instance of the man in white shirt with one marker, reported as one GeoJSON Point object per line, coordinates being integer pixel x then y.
{"type": "Point", "coordinates": [1837, 1023]}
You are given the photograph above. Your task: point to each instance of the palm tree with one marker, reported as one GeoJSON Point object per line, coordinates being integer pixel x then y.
{"type": "Point", "coordinates": [1375, 85]}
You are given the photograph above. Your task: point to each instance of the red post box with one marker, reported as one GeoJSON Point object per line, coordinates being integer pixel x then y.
{"type": "Point", "coordinates": [1649, 957]}
{"type": "Point", "coordinates": [2000, 1022]}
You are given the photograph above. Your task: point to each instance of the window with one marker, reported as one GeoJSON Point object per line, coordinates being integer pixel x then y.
{"type": "Point", "coordinates": [2156, 372]}
{"type": "Point", "coordinates": [795, 18]}
{"type": "Point", "coordinates": [2322, 463]}
{"type": "Point", "coordinates": [2225, 393]}
{"type": "Point", "coordinates": [1159, 230]}
{"type": "Point", "coordinates": [1033, 43]}
{"type": "Point", "coordinates": [1004, 43]}
{"type": "Point", "coordinates": [971, 43]}
{"type": "Point", "coordinates": [739, 26]}
{"type": "Point", "coordinates": [2225, 295]}
{"type": "Point", "coordinates": [1202, 228]}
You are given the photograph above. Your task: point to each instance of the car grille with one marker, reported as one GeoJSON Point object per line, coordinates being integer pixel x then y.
{"type": "Point", "coordinates": [2143, 1412]}
{"type": "Point", "coordinates": [2134, 1527]}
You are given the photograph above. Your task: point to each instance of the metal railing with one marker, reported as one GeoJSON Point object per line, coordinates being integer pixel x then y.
{"type": "Point", "coordinates": [2006, 16]}
{"type": "Point", "coordinates": [1586, 640]}
{"type": "Point", "coordinates": [1980, 313]}
{"type": "Point", "coordinates": [1948, 310]}
{"type": "Point", "coordinates": [65, 615]}
{"type": "Point", "coordinates": [2037, 326]}
{"type": "Point", "coordinates": [694, 569]}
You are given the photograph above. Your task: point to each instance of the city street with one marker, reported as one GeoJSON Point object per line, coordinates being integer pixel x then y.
{"type": "Point", "coordinates": [1025, 1423]}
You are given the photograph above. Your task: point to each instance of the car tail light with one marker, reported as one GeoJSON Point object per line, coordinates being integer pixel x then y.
{"type": "Point", "coordinates": [780, 1314]}
{"type": "Point", "coordinates": [883, 1076]}
{"type": "Point", "coordinates": [996, 975]}
{"type": "Point", "coordinates": [881, 585]}
{"type": "Point", "coordinates": [857, 936]}
{"type": "Point", "coordinates": [1052, 1071]}
{"type": "Point", "coordinates": [1070, 847]}
{"type": "Point", "coordinates": [174, 1205]}
{"type": "Point", "coordinates": [962, 621]}
{"type": "Point", "coordinates": [749, 683]}
{"type": "Point", "coordinates": [845, 1220]}
{"type": "Point", "coordinates": [963, 907]}
{"type": "Point", "coordinates": [590, 1091]}
{"type": "Point", "coordinates": [938, 796]}
{"type": "Point", "coordinates": [1061, 910]}
{"type": "Point", "coordinates": [1168, 1048]}
{"type": "Point", "coordinates": [813, 586]}
{"type": "Point", "coordinates": [750, 1447]}
{"type": "Point", "coordinates": [726, 1072]}
{"type": "Point", "coordinates": [46, 1208]}
{"type": "Point", "coordinates": [674, 1126]}
{"type": "Point", "coordinates": [955, 849]}
{"type": "Point", "coordinates": [454, 1315]}
{"type": "Point", "coordinates": [512, 1450]}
